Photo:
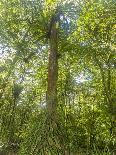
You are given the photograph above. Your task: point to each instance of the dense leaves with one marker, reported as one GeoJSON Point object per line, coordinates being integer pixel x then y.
{"type": "Point", "coordinates": [84, 121]}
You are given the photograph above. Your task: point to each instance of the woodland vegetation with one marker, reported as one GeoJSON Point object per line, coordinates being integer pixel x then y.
{"type": "Point", "coordinates": [57, 77]}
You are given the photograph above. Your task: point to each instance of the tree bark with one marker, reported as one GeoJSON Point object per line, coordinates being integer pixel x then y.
{"type": "Point", "coordinates": [52, 102]}
{"type": "Point", "coordinates": [52, 71]}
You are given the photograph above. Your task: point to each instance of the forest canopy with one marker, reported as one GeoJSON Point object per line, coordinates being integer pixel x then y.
{"type": "Point", "coordinates": [57, 77]}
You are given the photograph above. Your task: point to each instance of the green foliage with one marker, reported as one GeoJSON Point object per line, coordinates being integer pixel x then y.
{"type": "Point", "coordinates": [85, 119]}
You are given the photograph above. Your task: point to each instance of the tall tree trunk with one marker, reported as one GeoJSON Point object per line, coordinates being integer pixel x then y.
{"type": "Point", "coordinates": [53, 121]}
{"type": "Point", "coordinates": [52, 71]}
